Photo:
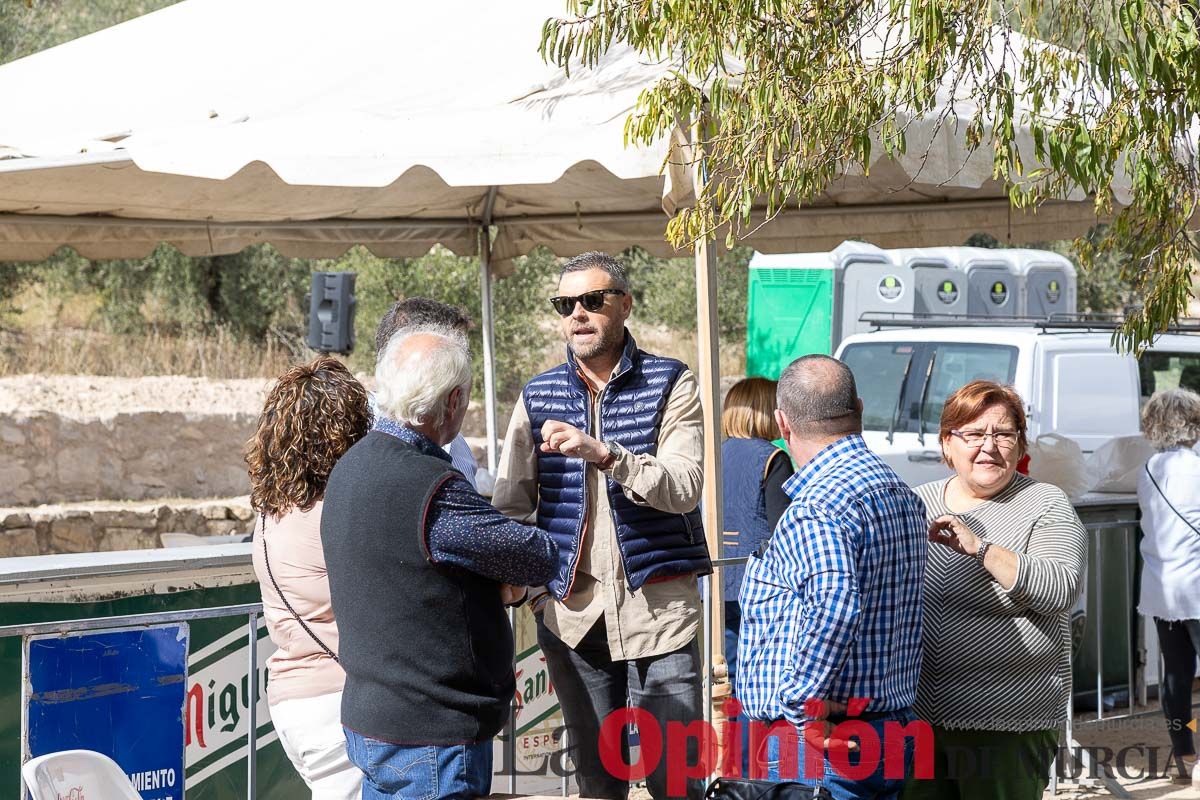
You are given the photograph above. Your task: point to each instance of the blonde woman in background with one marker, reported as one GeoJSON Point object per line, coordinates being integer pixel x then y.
{"type": "Point", "coordinates": [313, 414]}
{"type": "Point", "coordinates": [753, 472]}
{"type": "Point", "coordinates": [1169, 494]}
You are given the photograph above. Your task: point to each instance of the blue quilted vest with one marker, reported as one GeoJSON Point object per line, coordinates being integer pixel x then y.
{"type": "Point", "coordinates": [743, 468]}
{"type": "Point", "coordinates": [653, 543]}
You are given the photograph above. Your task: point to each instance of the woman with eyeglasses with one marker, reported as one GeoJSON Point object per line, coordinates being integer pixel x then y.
{"type": "Point", "coordinates": [1005, 569]}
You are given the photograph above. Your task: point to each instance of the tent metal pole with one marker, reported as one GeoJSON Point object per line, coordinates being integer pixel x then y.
{"type": "Point", "coordinates": [489, 355]}
{"type": "Point", "coordinates": [489, 329]}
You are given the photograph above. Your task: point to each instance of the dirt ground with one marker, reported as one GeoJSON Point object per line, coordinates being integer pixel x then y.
{"type": "Point", "coordinates": [84, 397]}
{"type": "Point", "coordinates": [1139, 744]}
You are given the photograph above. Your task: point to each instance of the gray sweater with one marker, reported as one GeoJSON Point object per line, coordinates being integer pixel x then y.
{"type": "Point", "coordinates": [993, 659]}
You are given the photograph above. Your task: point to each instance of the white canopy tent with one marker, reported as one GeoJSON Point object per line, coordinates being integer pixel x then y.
{"type": "Point", "coordinates": [215, 124]}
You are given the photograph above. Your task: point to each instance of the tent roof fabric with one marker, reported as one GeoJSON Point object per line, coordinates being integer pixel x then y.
{"type": "Point", "coordinates": [214, 124]}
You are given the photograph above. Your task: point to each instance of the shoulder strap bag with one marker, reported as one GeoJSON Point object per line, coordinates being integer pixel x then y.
{"type": "Point", "coordinates": [278, 591]}
{"type": "Point", "coordinates": [1170, 505]}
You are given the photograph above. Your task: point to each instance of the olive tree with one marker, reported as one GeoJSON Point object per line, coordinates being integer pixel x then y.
{"type": "Point", "coordinates": [786, 95]}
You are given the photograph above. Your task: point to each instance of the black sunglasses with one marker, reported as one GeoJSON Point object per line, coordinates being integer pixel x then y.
{"type": "Point", "coordinates": [591, 301]}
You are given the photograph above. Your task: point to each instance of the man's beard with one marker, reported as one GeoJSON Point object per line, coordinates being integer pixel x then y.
{"type": "Point", "coordinates": [610, 341]}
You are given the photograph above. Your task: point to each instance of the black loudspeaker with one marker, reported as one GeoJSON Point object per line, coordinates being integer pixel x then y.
{"type": "Point", "coordinates": [331, 312]}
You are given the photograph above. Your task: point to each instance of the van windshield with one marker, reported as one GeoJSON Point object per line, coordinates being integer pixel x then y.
{"type": "Point", "coordinates": [879, 372]}
{"type": "Point", "coordinates": [891, 378]}
{"type": "Point", "coordinates": [956, 365]}
{"type": "Point", "coordinates": [1161, 371]}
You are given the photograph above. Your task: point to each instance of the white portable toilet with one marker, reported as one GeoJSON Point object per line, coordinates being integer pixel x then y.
{"type": "Point", "coordinates": [1049, 283]}
{"type": "Point", "coordinates": [939, 286]}
{"type": "Point", "coordinates": [867, 279]}
{"type": "Point", "coordinates": [993, 282]}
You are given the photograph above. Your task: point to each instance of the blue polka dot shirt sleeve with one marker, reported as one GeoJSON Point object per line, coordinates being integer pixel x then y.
{"type": "Point", "coordinates": [465, 530]}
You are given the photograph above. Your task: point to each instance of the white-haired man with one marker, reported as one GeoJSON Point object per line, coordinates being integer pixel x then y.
{"type": "Point", "coordinates": [416, 560]}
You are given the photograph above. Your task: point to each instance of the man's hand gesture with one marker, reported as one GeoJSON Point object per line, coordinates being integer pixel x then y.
{"type": "Point", "coordinates": [559, 437]}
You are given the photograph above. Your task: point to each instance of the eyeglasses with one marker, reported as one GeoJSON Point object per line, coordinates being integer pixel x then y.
{"type": "Point", "coordinates": [591, 301]}
{"type": "Point", "coordinates": [1005, 440]}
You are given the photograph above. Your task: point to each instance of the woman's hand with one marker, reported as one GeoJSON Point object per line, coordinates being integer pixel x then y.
{"type": "Point", "coordinates": [510, 595]}
{"type": "Point", "coordinates": [950, 531]}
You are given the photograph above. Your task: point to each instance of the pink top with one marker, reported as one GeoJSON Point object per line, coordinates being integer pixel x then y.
{"type": "Point", "coordinates": [299, 668]}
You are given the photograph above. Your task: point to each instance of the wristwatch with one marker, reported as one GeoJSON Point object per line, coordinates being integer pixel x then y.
{"type": "Point", "coordinates": [614, 452]}
{"type": "Point", "coordinates": [982, 551]}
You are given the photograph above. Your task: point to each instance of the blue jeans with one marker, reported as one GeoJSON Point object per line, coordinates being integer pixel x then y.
{"type": "Point", "coordinates": [875, 785]}
{"type": "Point", "coordinates": [421, 772]}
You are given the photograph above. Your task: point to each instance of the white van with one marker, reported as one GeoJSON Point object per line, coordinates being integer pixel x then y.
{"type": "Point", "coordinates": [1072, 381]}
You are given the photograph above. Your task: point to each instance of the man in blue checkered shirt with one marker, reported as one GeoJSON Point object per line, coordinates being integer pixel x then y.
{"type": "Point", "coordinates": [831, 609]}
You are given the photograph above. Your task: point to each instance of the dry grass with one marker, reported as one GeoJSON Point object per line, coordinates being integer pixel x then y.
{"type": "Point", "coordinates": [61, 334]}
{"type": "Point", "coordinates": [49, 350]}
{"type": "Point", "coordinates": [682, 345]}
{"type": "Point", "coordinates": [79, 351]}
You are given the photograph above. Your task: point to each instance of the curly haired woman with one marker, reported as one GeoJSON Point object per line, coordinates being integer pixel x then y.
{"type": "Point", "coordinates": [313, 414]}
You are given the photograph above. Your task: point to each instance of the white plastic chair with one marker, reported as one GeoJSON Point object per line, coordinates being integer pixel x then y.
{"type": "Point", "coordinates": [76, 774]}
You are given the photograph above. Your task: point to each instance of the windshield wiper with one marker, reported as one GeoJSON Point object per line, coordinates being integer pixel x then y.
{"type": "Point", "coordinates": [924, 397]}
{"type": "Point", "coordinates": [899, 401]}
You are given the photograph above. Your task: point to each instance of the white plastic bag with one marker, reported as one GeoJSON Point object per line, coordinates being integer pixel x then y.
{"type": "Point", "coordinates": [1115, 465]}
{"type": "Point", "coordinates": [1055, 459]}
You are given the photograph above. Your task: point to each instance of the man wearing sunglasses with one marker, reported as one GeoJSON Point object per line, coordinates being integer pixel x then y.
{"type": "Point", "coordinates": [605, 452]}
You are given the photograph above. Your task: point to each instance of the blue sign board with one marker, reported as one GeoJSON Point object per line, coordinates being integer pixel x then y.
{"type": "Point", "coordinates": [117, 692]}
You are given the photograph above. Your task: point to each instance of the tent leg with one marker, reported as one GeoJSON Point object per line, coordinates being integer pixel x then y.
{"type": "Point", "coordinates": [489, 355]}
{"type": "Point", "coordinates": [716, 683]}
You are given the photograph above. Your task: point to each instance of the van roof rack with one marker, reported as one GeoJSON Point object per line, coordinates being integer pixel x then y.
{"type": "Point", "coordinates": [1076, 322]}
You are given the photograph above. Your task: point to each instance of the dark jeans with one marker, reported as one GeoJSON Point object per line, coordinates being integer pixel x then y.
{"type": "Point", "coordinates": [450, 772]}
{"type": "Point", "coordinates": [590, 686]}
{"type": "Point", "coordinates": [1179, 642]}
{"type": "Point", "coordinates": [733, 622]}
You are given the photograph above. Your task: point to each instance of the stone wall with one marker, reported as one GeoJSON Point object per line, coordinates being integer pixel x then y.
{"type": "Point", "coordinates": [88, 528]}
{"type": "Point", "coordinates": [52, 458]}
{"type": "Point", "coordinates": [70, 438]}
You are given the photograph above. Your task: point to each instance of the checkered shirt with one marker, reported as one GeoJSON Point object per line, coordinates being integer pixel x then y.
{"type": "Point", "coordinates": [831, 610]}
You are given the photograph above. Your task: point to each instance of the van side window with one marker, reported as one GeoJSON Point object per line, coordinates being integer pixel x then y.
{"type": "Point", "coordinates": [1159, 371]}
{"type": "Point", "coordinates": [1093, 397]}
{"type": "Point", "coordinates": [956, 365]}
{"type": "Point", "coordinates": [879, 372]}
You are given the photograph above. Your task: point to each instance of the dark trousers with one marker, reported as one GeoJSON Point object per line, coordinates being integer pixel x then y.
{"type": "Point", "coordinates": [986, 765]}
{"type": "Point", "coordinates": [733, 622]}
{"type": "Point", "coordinates": [1179, 642]}
{"type": "Point", "coordinates": [591, 686]}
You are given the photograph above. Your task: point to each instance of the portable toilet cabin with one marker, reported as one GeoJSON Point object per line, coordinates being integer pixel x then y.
{"type": "Point", "coordinates": [789, 310]}
{"type": "Point", "coordinates": [1050, 284]}
{"type": "Point", "coordinates": [802, 303]}
{"type": "Point", "coordinates": [867, 279]}
{"type": "Point", "coordinates": [939, 285]}
{"type": "Point", "coordinates": [993, 282]}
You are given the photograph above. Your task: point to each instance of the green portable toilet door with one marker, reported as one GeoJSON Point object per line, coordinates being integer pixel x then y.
{"type": "Point", "coordinates": [789, 314]}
